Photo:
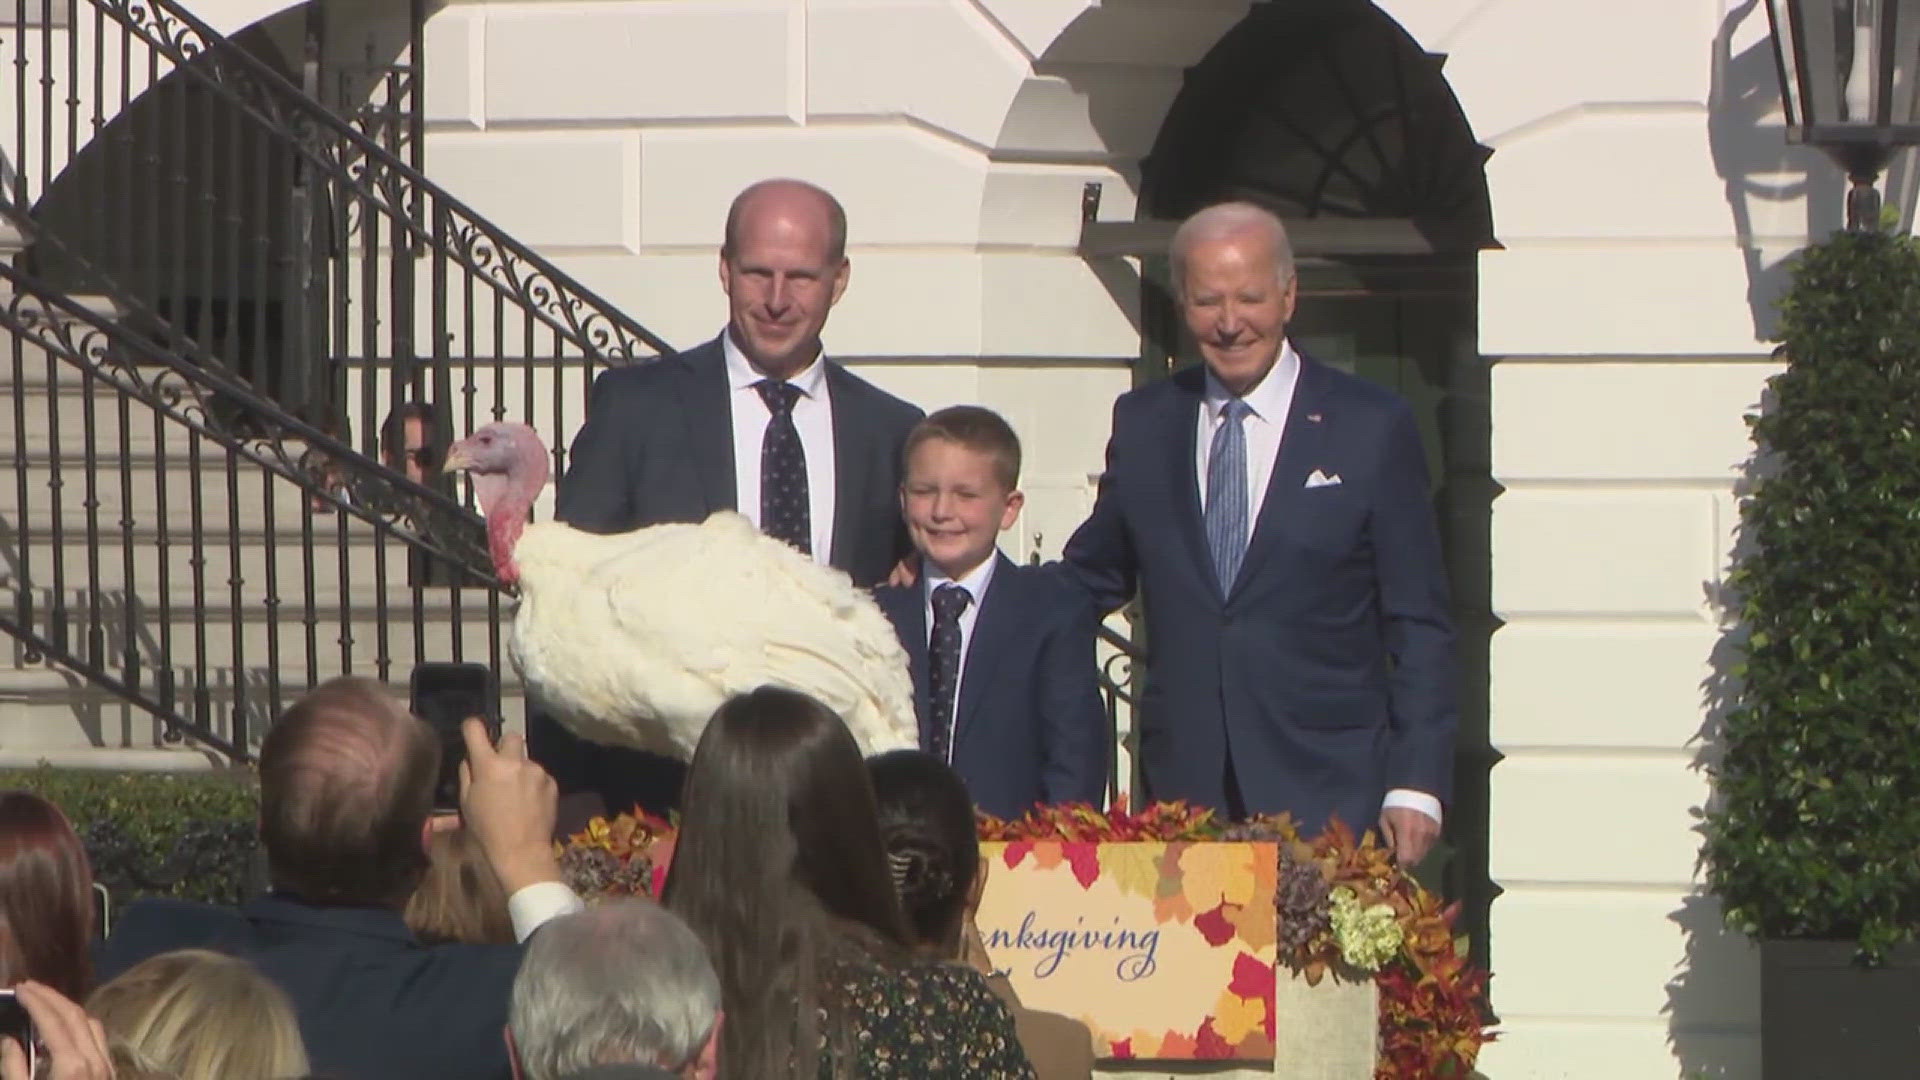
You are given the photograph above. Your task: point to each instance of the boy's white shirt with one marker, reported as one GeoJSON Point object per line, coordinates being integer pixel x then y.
{"type": "Point", "coordinates": [975, 581]}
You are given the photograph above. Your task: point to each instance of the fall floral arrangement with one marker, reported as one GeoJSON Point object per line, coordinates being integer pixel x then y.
{"type": "Point", "coordinates": [1343, 906]}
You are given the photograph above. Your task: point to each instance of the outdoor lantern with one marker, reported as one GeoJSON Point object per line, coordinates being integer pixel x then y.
{"type": "Point", "coordinates": [1850, 79]}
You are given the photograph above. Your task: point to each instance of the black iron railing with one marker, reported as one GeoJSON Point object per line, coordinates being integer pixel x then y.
{"type": "Point", "coordinates": [1120, 675]}
{"type": "Point", "coordinates": [193, 551]}
{"type": "Point", "coordinates": [183, 170]}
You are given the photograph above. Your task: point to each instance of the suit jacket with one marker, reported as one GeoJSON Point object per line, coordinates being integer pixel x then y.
{"type": "Point", "coordinates": [1029, 726]}
{"type": "Point", "coordinates": [1324, 676]}
{"type": "Point", "coordinates": [1060, 1047]}
{"type": "Point", "coordinates": [373, 1003]}
{"type": "Point", "coordinates": [657, 447]}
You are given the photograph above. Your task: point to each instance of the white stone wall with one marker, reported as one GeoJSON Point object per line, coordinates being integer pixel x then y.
{"type": "Point", "coordinates": [1644, 199]}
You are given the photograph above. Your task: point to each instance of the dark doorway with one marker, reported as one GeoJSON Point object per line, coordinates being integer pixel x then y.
{"type": "Point", "coordinates": [1327, 113]}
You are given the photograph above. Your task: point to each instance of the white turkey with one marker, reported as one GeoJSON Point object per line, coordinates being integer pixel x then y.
{"type": "Point", "coordinates": [633, 639]}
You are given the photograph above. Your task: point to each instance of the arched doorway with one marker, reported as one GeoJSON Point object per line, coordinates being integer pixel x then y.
{"type": "Point", "coordinates": [1333, 117]}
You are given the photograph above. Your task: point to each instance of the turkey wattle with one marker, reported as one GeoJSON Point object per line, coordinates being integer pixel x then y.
{"type": "Point", "coordinates": [633, 639]}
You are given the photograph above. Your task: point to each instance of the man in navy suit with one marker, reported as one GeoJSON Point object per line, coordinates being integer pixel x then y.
{"type": "Point", "coordinates": [757, 420]}
{"type": "Point", "coordinates": [1275, 517]}
{"type": "Point", "coordinates": [1002, 655]}
{"type": "Point", "coordinates": [346, 791]}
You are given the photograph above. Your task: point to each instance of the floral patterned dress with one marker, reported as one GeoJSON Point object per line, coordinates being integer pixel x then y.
{"type": "Point", "coordinates": [928, 1021]}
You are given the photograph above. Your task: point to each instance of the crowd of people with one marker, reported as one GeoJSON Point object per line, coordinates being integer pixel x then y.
{"type": "Point", "coordinates": [1272, 512]}
{"type": "Point", "coordinates": [816, 922]}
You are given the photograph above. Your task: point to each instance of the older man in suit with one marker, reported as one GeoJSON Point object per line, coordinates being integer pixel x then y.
{"type": "Point", "coordinates": [1275, 517]}
{"type": "Point", "coordinates": [757, 420]}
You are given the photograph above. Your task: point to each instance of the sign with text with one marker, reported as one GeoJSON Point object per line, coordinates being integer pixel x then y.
{"type": "Point", "coordinates": [1164, 950]}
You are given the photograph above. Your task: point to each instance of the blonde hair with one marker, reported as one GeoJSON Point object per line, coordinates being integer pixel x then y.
{"type": "Point", "coordinates": [460, 899]}
{"type": "Point", "coordinates": [198, 1015]}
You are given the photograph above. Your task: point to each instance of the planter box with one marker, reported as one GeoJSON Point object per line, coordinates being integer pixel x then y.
{"type": "Point", "coordinates": [1823, 1016]}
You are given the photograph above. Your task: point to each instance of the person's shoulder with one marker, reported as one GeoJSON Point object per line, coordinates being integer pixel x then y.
{"type": "Point", "coordinates": [650, 374]}
{"type": "Point", "coordinates": [895, 411]}
{"type": "Point", "coordinates": [887, 596]}
{"type": "Point", "coordinates": [1352, 391]}
{"type": "Point", "coordinates": [159, 915]}
{"type": "Point", "coordinates": [1047, 585]}
{"type": "Point", "coordinates": [1181, 385]}
{"type": "Point", "coordinates": [152, 926]}
{"type": "Point", "coordinates": [948, 980]}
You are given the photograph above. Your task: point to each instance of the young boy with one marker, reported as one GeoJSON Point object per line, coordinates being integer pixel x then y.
{"type": "Point", "coordinates": [1003, 655]}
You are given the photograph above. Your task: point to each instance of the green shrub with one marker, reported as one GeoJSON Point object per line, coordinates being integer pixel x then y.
{"type": "Point", "coordinates": [1817, 830]}
{"type": "Point", "coordinates": [188, 835]}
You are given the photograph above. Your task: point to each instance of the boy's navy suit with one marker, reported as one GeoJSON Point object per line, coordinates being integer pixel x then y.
{"type": "Point", "coordinates": [1029, 726]}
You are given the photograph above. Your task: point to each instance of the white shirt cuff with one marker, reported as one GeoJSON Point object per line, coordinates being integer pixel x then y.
{"type": "Point", "coordinates": [531, 907]}
{"type": "Point", "coordinates": [1405, 800]}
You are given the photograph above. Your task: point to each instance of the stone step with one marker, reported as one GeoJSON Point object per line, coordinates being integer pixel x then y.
{"type": "Point", "coordinates": [44, 710]}
{"type": "Point", "coordinates": [187, 633]}
{"type": "Point", "coordinates": [34, 411]}
{"type": "Point", "coordinates": [278, 575]}
{"type": "Point", "coordinates": [147, 492]}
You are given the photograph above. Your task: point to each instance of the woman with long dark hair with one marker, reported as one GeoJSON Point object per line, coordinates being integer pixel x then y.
{"type": "Point", "coordinates": [780, 870]}
{"type": "Point", "coordinates": [46, 897]}
{"type": "Point", "coordinates": [933, 850]}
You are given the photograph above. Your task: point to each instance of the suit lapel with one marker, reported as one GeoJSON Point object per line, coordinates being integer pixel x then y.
{"type": "Point", "coordinates": [907, 607]}
{"type": "Point", "coordinates": [1180, 430]}
{"type": "Point", "coordinates": [1001, 612]}
{"type": "Point", "coordinates": [851, 465]}
{"type": "Point", "coordinates": [709, 419]}
{"type": "Point", "coordinates": [1302, 442]}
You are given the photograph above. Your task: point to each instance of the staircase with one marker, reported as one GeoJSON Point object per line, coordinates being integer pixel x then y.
{"type": "Point", "coordinates": [201, 341]}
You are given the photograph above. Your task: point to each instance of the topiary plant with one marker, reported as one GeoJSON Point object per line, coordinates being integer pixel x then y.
{"type": "Point", "coordinates": [1816, 833]}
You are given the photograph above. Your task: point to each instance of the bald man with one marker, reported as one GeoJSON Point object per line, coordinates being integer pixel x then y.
{"type": "Point", "coordinates": [758, 420]}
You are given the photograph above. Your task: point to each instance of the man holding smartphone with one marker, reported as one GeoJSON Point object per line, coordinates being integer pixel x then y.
{"type": "Point", "coordinates": [347, 781]}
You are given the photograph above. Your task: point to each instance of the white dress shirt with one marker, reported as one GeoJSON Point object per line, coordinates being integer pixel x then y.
{"type": "Point", "coordinates": [1269, 402]}
{"type": "Point", "coordinates": [812, 417]}
{"type": "Point", "coordinates": [975, 581]}
{"type": "Point", "coordinates": [532, 906]}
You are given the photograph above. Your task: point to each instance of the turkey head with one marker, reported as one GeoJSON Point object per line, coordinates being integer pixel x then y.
{"type": "Point", "coordinates": [508, 465]}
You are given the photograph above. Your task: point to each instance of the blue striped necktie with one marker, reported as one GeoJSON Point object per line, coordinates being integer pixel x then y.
{"type": "Point", "coordinates": [1226, 511]}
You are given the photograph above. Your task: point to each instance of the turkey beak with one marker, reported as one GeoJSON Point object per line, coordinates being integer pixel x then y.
{"type": "Point", "coordinates": [457, 459]}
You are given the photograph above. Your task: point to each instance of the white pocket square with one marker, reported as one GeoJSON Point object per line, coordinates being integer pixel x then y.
{"type": "Point", "coordinates": [1320, 479]}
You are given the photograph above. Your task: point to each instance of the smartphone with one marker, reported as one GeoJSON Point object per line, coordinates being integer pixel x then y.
{"type": "Point", "coordinates": [444, 694]}
{"type": "Point", "coordinates": [15, 1024]}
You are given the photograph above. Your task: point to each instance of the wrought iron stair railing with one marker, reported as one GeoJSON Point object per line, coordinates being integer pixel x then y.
{"type": "Point", "coordinates": [317, 264]}
{"type": "Point", "coordinates": [214, 544]}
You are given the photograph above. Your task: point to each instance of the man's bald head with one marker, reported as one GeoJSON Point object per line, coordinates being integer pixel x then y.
{"type": "Point", "coordinates": [346, 784]}
{"type": "Point", "coordinates": [790, 200]}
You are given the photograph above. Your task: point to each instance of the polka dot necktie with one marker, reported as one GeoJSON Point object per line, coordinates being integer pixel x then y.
{"type": "Point", "coordinates": [943, 665]}
{"type": "Point", "coordinates": [784, 512]}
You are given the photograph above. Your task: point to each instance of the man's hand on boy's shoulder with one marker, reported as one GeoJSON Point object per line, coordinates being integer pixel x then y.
{"type": "Point", "coordinates": [905, 572]}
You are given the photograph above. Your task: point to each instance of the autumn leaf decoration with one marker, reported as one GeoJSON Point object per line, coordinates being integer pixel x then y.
{"type": "Point", "coordinates": [1339, 899]}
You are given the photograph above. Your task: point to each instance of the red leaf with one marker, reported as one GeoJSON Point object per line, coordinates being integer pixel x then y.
{"type": "Point", "coordinates": [1122, 1048]}
{"type": "Point", "coordinates": [1252, 977]}
{"type": "Point", "coordinates": [1017, 851]}
{"type": "Point", "coordinates": [1208, 1045]}
{"type": "Point", "coordinates": [1085, 860]}
{"type": "Point", "coordinates": [1215, 927]}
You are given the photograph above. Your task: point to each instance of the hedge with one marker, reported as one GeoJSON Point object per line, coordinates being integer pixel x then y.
{"type": "Point", "coordinates": [193, 836]}
{"type": "Point", "coordinates": [1816, 831]}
